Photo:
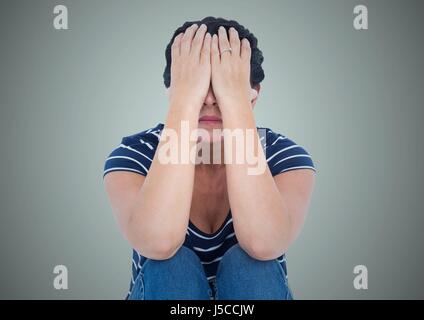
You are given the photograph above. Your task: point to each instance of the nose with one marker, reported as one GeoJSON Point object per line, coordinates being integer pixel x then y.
{"type": "Point", "coordinates": [210, 99]}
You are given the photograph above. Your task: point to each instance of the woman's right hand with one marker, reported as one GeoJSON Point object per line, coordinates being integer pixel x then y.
{"type": "Point", "coordinates": [190, 67]}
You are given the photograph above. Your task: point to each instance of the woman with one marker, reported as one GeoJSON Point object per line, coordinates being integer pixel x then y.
{"type": "Point", "coordinates": [210, 229]}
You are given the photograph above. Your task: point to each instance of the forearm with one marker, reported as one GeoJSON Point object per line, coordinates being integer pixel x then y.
{"type": "Point", "coordinates": [161, 212]}
{"type": "Point", "coordinates": [260, 217]}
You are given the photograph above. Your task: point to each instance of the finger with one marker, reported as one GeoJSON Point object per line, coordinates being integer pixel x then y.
{"type": "Point", "coordinates": [234, 41]}
{"type": "Point", "coordinates": [197, 43]}
{"type": "Point", "coordinates": [175, 47]}
{"type": "Point", "coordinates": [205, 55]}
{"type": "Point", "coordinates": [215, 58]}
{"type": "Point", "coordinates": [223, 42]}
{"type": "Point", "coordinates": [245, 50]}
{"type": "Point", "coordinates": [187, 38]}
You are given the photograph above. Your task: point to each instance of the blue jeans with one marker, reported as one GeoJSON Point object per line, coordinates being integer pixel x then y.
{"type": "Point", "coordinates": [239, 277]}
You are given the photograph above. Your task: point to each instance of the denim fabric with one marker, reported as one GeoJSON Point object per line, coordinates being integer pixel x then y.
{"type": "Point", "coordinates": [239, 277]}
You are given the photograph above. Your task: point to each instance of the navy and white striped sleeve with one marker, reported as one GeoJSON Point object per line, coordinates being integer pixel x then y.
{"type": "Point", "coordinates": [134, 154]}
{"type": "Point", "coordinates": [283, 154]}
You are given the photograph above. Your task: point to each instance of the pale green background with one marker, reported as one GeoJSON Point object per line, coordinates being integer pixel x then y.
{"type": "Point", "coordinates": [353, 99]}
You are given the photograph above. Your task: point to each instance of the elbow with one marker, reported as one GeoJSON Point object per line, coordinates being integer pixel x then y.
{"type": "Point", "coordinates": [157, 250]}
{"type": "Point", "coordinates": [153, 244]}
{"type": "Point", "coordinates": [159, 254]}
{"type": "Point", "coordinates": [270, 245]}
{"type": "Point", "coordinates": [264, 251]}
{"type": "Point", "coordinates": [264, 254]}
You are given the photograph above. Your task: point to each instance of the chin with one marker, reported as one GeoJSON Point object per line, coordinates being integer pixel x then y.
{"type": "Point", "coordinates": [209, 128]}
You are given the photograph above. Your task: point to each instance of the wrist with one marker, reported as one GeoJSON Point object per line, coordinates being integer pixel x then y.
{"type": "Point", "coordinates": [179, 112]}
{"type": "Point", "coordinates": [184, 107]}
{"type": "Point", "coordinates": [235, 106]}
{"type": "Point", "coordinates": [185, 104]}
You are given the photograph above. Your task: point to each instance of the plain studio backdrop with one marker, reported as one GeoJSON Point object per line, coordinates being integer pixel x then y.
{"type": "Point", "coordinates": [353, 99]}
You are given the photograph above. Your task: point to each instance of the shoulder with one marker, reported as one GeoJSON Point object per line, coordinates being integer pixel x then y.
{"type": "Point", "coordinates": [135, 152]}
{"type": "Point", "coordinates": [148, 137]}
{"type": "Point", "coordinates": [283, 153]}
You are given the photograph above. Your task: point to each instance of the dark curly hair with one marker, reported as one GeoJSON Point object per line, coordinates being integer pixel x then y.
{"type": "Point", "coordinates": [256, 72]}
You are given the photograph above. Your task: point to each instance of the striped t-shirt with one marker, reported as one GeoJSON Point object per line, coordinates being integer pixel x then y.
{"type": "Point", "coordinates": [135, 153]}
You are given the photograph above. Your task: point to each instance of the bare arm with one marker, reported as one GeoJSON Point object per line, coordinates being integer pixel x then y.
{"type": "Point", "coordinates": [153, 211]}
{"type": "Point", "coordinates": [267, 213]}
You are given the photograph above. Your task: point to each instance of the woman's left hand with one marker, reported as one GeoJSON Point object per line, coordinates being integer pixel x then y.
{"type": "Point", "coordinates": [230, 71]}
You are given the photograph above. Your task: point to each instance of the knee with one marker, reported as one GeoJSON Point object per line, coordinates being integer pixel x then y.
{"type": "Point", "coordinates": [237, 255]}
{"type": "Point", "coordinates": [237, 259]}
{"type": "Point", "coordinates": [241, 276]}
{"type": "Point", "coordinates": [179, 277]}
